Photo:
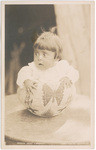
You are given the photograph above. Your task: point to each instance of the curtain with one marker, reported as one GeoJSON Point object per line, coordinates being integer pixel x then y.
{"type": "Point", "coordinates": [73, 25]}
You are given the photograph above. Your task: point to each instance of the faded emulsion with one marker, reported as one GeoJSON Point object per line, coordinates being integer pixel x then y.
{"type": "Point", "coordinates": [48, 85]}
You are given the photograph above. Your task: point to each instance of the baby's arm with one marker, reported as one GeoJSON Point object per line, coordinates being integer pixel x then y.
{"type": "Point", "coordinates": [30, 85]}
{"type": "Point", "coordinates": [26, 84]}
{"type": "Point", "coordinates": [71, 73]}
{"type": "Point", "coordinates": [67, 82]}
{"type": "Point", "coordinates": [24, 74]}
{"type": "Point", "coordinates": [25, 79]}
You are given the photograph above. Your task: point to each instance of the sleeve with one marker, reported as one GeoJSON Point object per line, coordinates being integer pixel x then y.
{"type": "Point", "coordinates": [72, 73]}
{"type": "Point", "coordinates": [24, 74]}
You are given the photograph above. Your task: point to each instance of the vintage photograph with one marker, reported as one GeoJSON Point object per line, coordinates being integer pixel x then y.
{"type": "Point", "coordinates": [48, 74]}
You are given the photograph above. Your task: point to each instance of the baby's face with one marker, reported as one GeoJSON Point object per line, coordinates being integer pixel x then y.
{"type": "Point", "coordinates": [44, 59]}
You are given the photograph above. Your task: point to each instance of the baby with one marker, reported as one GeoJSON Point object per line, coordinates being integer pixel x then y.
{"type": "Point", "coordinates": [47, 68]}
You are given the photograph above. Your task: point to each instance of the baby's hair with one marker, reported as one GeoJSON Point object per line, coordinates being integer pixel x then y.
{"type": "Point", "coordinates": [50, 41]}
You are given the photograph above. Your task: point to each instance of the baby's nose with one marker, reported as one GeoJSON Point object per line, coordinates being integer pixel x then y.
{"type": "Point", "coordinates": [40, 57]}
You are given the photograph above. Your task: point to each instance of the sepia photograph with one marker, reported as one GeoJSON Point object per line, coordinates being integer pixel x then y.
{"type": "Point", "coordinates": [48, 74]}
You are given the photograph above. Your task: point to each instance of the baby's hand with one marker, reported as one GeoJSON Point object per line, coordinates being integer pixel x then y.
{"type": "Point", "coordinates": [30, 85]}
{"type": "Point", "coordinates": [67, 82]}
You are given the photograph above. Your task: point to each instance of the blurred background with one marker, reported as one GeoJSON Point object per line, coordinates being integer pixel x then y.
{"type": "Point", "coordinates": [24, 22]}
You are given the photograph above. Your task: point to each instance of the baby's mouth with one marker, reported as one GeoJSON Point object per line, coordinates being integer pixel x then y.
{"type": "Point", "coordinates": [40, 64]}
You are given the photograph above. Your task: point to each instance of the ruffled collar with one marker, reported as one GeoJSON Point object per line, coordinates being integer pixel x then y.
{"type": "Point", "coordinates": [57, 64]}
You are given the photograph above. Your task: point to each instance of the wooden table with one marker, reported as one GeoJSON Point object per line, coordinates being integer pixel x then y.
{"type": "Point", "coordinates": [72, 127]}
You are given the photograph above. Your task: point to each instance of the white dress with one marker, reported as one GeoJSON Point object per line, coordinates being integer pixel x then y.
{"type": "Point", "coordinates": [51, 96]}
{"type": "Point", "coordinates": [53, 74]}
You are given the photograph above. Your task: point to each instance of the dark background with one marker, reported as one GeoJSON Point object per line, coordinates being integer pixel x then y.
{"type": "Point", "coordinates": [22, 24]}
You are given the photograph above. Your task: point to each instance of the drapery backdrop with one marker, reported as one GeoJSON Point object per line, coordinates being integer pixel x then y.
{"type": "Point", "coordinates": [74, 28]}
{"type": "Point", "coordinates": [24, 22]}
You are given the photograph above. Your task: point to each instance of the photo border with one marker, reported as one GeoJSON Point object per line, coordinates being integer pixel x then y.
{"type": "Point", "coordinates": [92, 3]}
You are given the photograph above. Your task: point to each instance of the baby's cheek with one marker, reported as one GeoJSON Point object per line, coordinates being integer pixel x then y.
{"type": "Point", "coordinates": [49, 63]}
{"type": "Point", "coordinates": [35, 61]}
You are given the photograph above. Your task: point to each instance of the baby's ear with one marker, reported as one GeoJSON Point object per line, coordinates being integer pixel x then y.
{"type": "Point", "coordinates": [57, 59]}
